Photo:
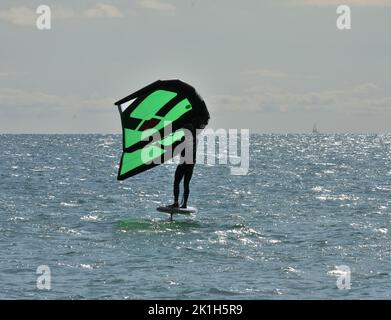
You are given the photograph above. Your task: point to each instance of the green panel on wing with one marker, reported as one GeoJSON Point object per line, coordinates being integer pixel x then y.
{"type": "Point", "coordinates": [152, 104]}
{"type": "Point", "coordinates": [133, 160]}
{"type": "Point", "coordinates": [134, 136]}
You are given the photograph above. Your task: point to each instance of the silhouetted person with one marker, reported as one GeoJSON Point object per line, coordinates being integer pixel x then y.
{"type": "Point", "coordinates": [187, 162]}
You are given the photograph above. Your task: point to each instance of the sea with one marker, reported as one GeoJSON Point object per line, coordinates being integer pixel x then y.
{"type": "Point", "coordinates": [310, 219]}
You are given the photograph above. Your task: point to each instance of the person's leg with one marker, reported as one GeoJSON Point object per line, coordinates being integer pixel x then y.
{"type": "Point", "coordinates": [179, 173]}
{"type": "Point", "coordinates": [186, 184]}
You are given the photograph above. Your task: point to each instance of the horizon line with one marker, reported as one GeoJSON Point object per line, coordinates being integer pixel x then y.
{"type": "Point", "coordinates": [251, 132]}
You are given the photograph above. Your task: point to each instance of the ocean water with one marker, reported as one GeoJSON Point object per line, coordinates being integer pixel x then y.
{"type": "Point", "coordinates": [309, 204]}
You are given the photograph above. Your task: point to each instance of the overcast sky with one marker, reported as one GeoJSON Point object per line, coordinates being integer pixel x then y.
{"type": "Point", "coordinates": [271, 66]}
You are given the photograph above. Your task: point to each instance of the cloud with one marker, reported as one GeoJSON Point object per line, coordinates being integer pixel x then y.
{"type": "Point", "coordinates": [63, 13]}
{"type": "Point", "coordinates": [15, 97]}
{"type": "Point", "coordinates": [274, 74]}
{"type": "Point", "coordinates": [11, 73]}
{"type": "Point", "coordinates": [98, 105]}
{"type": "Point", "coordinates": [30, 102]}
{"type": "Point", "coordinates": [21, 16]}
{"type": "Point", "coordinates": [265, 73]}
{"type": "Point", "coordinates": [162, 7]}
{"type": "Point", "coordinates": [383, 103]}
{"type": "Point", "coordinates": [34, 111]}
{"type": "Point", "coordinates": [104, 10]}
{"type": "Point", "coordinates": [336, 3]}
{"type": "Point", "coordinates": [358, 99]}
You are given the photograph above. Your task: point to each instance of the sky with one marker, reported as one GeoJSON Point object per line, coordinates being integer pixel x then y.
{"type": "Point", "coordinates": [271, 66]}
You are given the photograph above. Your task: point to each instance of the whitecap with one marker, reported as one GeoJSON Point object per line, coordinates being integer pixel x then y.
{"type": "Point", "coordinates": [338, 271]}
{"type": "Point", "coordinates": [291, 269]}
{"type": "Point", "coordinates": [381, 230]}
{"type": "Point", "coordinates": [69, 204]}
{"type": "Point", "coordinates": [18, 219]}
{"type": "Point", "coordinates": [90, 217]}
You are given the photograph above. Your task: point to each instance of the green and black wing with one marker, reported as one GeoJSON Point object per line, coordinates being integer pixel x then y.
{"type": "Point", "coordinates": [162, 107]}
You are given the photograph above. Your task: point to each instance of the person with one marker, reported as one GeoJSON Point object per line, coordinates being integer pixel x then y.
{"type": "Point", "coordinates": [187, 161]}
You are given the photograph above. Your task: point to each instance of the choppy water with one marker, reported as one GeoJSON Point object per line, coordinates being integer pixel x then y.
{"type": "Point", "coordinates": [309, 203]}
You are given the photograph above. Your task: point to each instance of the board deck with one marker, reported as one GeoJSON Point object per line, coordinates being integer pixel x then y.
{"type": "Point", "coordinates": [188, 210]}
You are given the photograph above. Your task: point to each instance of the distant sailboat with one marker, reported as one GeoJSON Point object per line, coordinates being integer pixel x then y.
{"type": "Point", "coordinates": [315, 129]}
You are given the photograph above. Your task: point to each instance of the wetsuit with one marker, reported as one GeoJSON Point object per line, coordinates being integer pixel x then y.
{"type": "Point", "coordinates": [186, 166]}
{"type": "Point", "coordinates": [188, 157]}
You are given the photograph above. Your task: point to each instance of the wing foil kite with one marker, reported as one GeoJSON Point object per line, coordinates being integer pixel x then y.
{"type": "Point", "coordinates": [161, 109]}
